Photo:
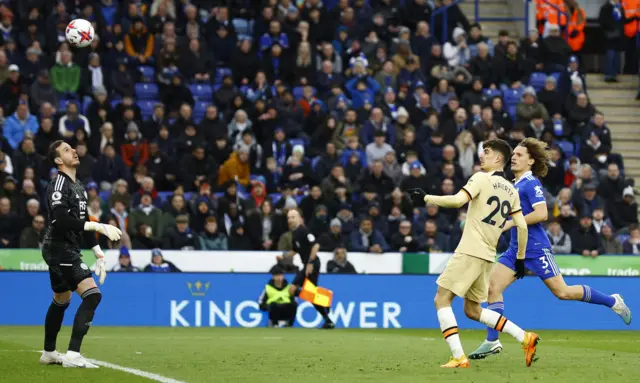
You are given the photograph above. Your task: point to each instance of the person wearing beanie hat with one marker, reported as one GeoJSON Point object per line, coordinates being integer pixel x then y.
{"type": "Point", "coordinates": [124, 262]}
{"type": "Point", "coordinates": [530, 106]}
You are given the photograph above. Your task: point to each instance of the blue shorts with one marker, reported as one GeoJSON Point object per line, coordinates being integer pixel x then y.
{"type": "Point", "coordinates": [541, 262]}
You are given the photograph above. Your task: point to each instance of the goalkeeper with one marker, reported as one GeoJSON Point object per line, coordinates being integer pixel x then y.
{"type": "Point", "coordinates": [68, 227]}
{"type": "Point", "coordinates": [275, 299]}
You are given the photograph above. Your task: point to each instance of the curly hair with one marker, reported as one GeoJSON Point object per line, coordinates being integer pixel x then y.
{"type": "Point", "coordinates": [538, 152]}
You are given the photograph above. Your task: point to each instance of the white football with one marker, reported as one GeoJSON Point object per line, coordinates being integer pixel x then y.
{"type": "Point", "coordinates": [80, 33]}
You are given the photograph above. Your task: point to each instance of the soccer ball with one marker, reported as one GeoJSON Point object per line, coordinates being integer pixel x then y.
{"type": "Point", "coordinates": [80, 33]}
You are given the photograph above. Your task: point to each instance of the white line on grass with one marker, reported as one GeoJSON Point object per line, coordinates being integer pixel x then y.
{"type": "Point", "coordinates": [132, 371]}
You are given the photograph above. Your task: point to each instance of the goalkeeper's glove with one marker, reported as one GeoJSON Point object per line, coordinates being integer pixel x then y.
{"type": "Point", "coordinates": [520, 269]}
{"type": "Point", "coordinates": [417, 196]}
{"type": "Point", "coordinates": [110, 231]}
{"type": "Point", "coordinates": [100, 270]}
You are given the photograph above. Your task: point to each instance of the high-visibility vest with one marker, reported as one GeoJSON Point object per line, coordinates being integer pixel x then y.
{"type": "Point", "coordinates": [541, 10]}
{"type": "Point", "coordinates": [553, 17]}
{"type": "Point", "coordinates": [632, 13]}
{"type": "Point", "coordinates": [576, 43]}
{"type": "Point", "coordinates": [277, 296]}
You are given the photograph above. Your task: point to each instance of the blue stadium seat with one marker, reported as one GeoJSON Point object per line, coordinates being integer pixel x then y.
{"type": "Point", "coordinates": [511, 109]}
{"type": "Point", "coordinates": [297, 141]}
{"type": "Point", "coordinates": [299, 90]}
{"type": "Point", "coordinates": [62, 105]}
{"type": "Point", "coordinates": [220, 73]}
{"type": "Point", "coordinates": [86, 101]}
{"type": "Point", "coordinates": [115, 103]}
{"type": "Point", "coordinates": [537, 80]}
{"type": "Point", "coordinates": [148, 73]}
{"type": "Point", "coordinates": [556, 75]}
{"type": "Point", "coordinates": [512, 96]}
{"type": "Point", "coordinates": [200, 108]}
{"type": "Point", "coordinates": [314, 162]}
{"type": "Point", "coordinates": [275, 197]}
{"type": "Point", "coordinates": [623, 237]}
{"type": "Point", "coordinates": [146, 91]}
{"type": "Point", "coordinates": [241, 26]}
{"type": "Point", "coordinates": [567, 148]}
{"type": "Point", "coordinates": [201, 92]}
{"type": "Point", "coordinates": [164, 195]}
{"type": "Point", "coordinates": [491, 93]}
{"type": "Point", "coordinates": [146, 108]}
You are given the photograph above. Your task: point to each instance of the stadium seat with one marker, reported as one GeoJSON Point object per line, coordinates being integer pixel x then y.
{"type": "Point", "coordinates": [146, 91]}
{"type": "Point", "coordinates": [275, 197]}
{"type": "Point", "coordinates": [147, 73]}
{"type": "Point", "coordinates": [115, 103]}
{"type": "Point", "coordinates": [62, 105]}
{"type": "Point", "coordinates": [201, 92]}
{"type": "Point", "coordinates": [491, 93]}
{"type": "Point", "coordinates": [512, 96]}
{"type": "Point", "coordinates": [146, 108]}
{"type": "Point", "coordinates": [567, 148]}
{"type": "Point", "coordinates": [200, 109]}
{"type": "Point", "coordinates": [299, 90]}
{"type": "Point", "coordinates": [314, 162]}
{"type": "Point", "coordinates": [220, 73]}
{"type": "Point", "coordinates": [297, 141]}
{"type": "Point", "coordinates": [511, 109]}
{"type": "Point", "coordinates": [537, 80]}
{"type": "Point", "coordinates": [241, 26]}
{"type": "Point", "coordinates": [164, 195]}
{"type": "Point", "coordinates": [86, 101]}
{"type": "Point", "coordinates": [556, 75]}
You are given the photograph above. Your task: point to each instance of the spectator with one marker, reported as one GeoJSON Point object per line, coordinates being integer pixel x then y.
{"type": "Point", "coordinates": [585, 240]}
{"type": "Point", "coordinates": [66, 76]}
{"type": "Point", "coordinates": [560, 241]}
{"type": "Point", "coordinates": [554, 50]}
{"type": "Point", "coordinates": [9, 231]}
{"type": "Point", "coordinates": [276, 300]}
{"type": "Point", "coordinates": [339, 264]}
{"type": "Point", "coordinates": [180, 237]}
{"type": "Point", "coordinates": [367, 239]}
{"type": "Point", "coordinates": [457, 52]}
{"type": "Point", "coordinates": [466, 152]}
{"type": "Point", "coordinates": [121, 80]}
{"type": "Point", "coordinates": [379, 148]}
{"type": "Point", "coordinates": [432, 240]}
{"type": "Point", "coordinates": [530, 106]}
{"type": "Point", "coordinates": [109, 168]}
{"type": "Point", "coordinates": [612, 20]}
{"type": "Point", "coordinates": [26, 157]}
{"type": "Point", "coordinates": [609, 243]}
{"type": "Point", "coordinates": [11, 88]}
{"type": "Point", "coordinates": [195, 62]}
{"type": "Point", "coordinates": [611, 188]}
{"type": "Point", "coordinates": [580, 114]}
{"type": "Point", "coordinates": [149, 215]}
{"type": "Point", "coordinates": [236, 168]}
{"type": "Point", "coordinates": [623, 214]}
{"type": "Point", "coordinates": [238, 238]}
{"type": "Point", "coordinates": [20, 124]}
{"type": "Point", "coordinates": [42, 91]}
{"type": "Point", "coordinates": [33, 236]}
{"type": "Point", "coordinates": [403, 240]}
{"type": "Point", "coordinates": [159, 264]}
{"type": "Point", "coordinates": [632, 245]}
{"type": "Point", "coordinates": [599, 220]}
{"type": "Point", "coordinates": [124, 262]}
{"type": "Point", "coordinates": [245, 63]}
{"type": "Point", "coordinates": [139, 43]}
{"type": "Point", "coordinates": [211, 238]}
{"type": "Point", "coordinates": [73, 121]}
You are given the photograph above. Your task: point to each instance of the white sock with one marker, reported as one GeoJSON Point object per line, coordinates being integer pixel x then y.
{"type": "Point", "coordinates": [449, 328]}
{"type": "Point", "coordinates": [499, 322]}
{"type": "Point", "coordinates": [73, 354]}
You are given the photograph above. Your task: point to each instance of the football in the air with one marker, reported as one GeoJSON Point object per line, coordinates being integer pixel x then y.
{"type": "Point", "coordinates": [80, 33]}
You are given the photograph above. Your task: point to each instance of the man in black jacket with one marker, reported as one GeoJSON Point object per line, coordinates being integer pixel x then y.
{"type": "Point", "coordinates": [333, 239]}
{"type": "Point", "coordinates": [585, 240]}
{"type": "Point", "coordinates": [339, 264]}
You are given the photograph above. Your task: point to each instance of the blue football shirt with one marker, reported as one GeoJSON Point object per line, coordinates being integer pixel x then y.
{"type": "Point", "coordinates": [531, 194]}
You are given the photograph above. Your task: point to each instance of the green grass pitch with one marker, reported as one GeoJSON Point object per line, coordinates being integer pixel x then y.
{"type": "Point", "coordinates": [299, 355]}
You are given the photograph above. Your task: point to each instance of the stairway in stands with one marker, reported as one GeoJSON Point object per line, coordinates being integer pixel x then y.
{"type": "Point", "coordinates": [492, 8]}
{"type": "Point", "coordinates": [622, 115]}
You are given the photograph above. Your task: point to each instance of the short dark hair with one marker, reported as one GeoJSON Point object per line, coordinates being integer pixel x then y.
{"type": "Point", "coordinates": [500, 146]}
{"type": "Point", "coordinates": [53, 152]}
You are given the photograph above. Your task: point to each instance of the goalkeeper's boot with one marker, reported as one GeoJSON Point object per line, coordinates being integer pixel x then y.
{"type": "Point", "coordinates": [622, 309]}
{"type": "Point", "coordinates": [75, 360]}
{"type": "Point", "coordinates": [461, 362]}
{"type": "Point", "coordinates": [51, 357]}
{"type": "Point", "coordinates": [486, 348]}
{"type": "Point", "coordinates": [529, 345]}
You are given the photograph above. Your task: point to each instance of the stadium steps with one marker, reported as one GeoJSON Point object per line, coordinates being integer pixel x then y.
{"type": "Point", "coordinates": [622, 113]}
{"type": "Point", "coordinates": [491, 8]}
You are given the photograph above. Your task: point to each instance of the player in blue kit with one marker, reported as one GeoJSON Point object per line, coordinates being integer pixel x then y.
{"type": "Point", "coordinates": [528, 162]}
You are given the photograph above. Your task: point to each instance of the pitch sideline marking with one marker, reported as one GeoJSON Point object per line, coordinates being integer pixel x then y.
{"type": "Point", "coordinates": [132, 371]}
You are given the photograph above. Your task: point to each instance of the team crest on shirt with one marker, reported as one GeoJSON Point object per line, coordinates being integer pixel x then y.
{"type": "Point", "coordinates": [84, 266]}
{"type": "Point", "coordinates": [311, 238]}
{"type": "Point", "coordinates": [539, 192]}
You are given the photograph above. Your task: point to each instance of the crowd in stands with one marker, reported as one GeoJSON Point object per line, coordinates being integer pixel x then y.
{"type": "Point", "coordinates": [200, 123]}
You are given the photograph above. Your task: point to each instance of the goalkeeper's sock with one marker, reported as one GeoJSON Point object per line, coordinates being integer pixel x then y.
{"type": "Point", "coordinates": [449, 328]}
{"type": "Point", "coordinates": [492, 334]}
{"type": "Point", "coordinates": [52, 324]}
{"type": "Point", "coordinates": [90, 301]}
{"type": "Point", "coordinates": [596, 297]}
{"type": "Point", "coordinates": [500, 323]}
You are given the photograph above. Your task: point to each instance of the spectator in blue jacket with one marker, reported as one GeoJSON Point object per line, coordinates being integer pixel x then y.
{"type": "Point", "coordinates": [362, 90]}
{"type": "Point", "coordinates": [18, 124]}
{"type": "Point", "coordinates": [377, 122]}
{"type": "Point", "coordinates": [367, 239]}
{"type": "Point", "coordinates": [275, 35]}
